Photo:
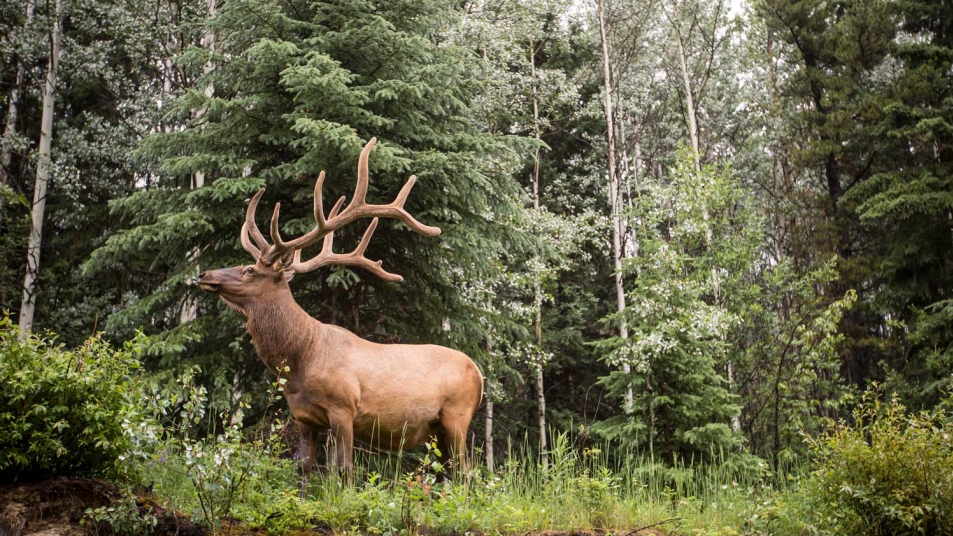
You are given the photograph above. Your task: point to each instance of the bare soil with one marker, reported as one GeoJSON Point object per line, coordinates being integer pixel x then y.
{"type": "Point", "coordinates": [56, 507]}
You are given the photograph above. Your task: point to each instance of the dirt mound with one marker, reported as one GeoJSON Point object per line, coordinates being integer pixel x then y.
{"type": "Point", "coordinates": [56, 507]}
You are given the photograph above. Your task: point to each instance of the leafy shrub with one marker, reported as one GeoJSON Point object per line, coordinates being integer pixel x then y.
{"type": "Point", "coordinates": [207, 464]}
{"type": "Point", "coordinates": [62, 411]}
{"type": "Point", "coordinates": [890, 473]}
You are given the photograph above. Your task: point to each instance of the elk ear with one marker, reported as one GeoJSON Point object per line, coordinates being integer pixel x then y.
{"type": "Point", "coordinates": [284, 265]}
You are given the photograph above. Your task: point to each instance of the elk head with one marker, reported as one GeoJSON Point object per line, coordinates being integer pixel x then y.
{"type": "Point", "coordinates": [275, 264]}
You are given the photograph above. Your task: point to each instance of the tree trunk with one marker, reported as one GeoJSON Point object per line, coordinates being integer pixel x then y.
{"type": "Point", "coordinates": [488, 436]}
{"type": "Point", "coordinates": [43, 164]}
{"type": "Point", "coordinates": [537, 284]}
{"type": "Point", "coordinates": [614, 194]}
{"type": "Point", "coordinates": [692, 113]}
{"type": "Point", "coordinates": [488, 442]}
{"type": "Point", "coordinates": [198, 180]}
{"type": "Point", "coordinates": [689, 97]}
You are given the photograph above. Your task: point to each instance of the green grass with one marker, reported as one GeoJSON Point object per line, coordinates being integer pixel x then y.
{"type": "Point", "coordinates": [396, 493]}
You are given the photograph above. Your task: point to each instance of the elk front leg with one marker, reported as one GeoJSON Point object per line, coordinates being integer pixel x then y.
{"type": "Point", "coordinates": [307, 444]}
{"type": "Point", "coordinates": [342, 431]}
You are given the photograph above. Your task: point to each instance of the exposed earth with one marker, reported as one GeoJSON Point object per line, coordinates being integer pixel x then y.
{"type": "Point", "coordinates": [57, 507]}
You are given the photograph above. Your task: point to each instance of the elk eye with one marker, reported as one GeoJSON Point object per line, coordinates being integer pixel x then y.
{"type": "Point", "coordinates": [248, 271]}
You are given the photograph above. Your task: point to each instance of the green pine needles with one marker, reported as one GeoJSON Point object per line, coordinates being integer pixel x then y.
{"type": "Point", "coordinates": [296, 88]}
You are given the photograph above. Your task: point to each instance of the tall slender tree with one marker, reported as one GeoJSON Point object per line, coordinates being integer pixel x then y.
{"type": "Point", "coordinates": [43, 170]}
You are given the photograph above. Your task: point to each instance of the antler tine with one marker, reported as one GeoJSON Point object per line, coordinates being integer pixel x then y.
{"type": "Point", "coordinates": [319, 200]}
{"type": "Point", "coordinates": [251, 228]}
{"type": "Point", "coordinates": [247, 243]}
{"type": "Point", "coordinates": [358, 207]}
{"type": "Point", "coordinates": [405, 216]}
{"type": "Point", "coordinates": [326, 248]}
{"type": "Point", "coordinates": [337, 218]}
{"type": "Point", "coordinates": [363, 175]}
{"type": "Point", "coordinates": [354, 258]}
{"type": "Point", "coordinates": [323, 226]}
{"type": "Point", "coordinates": [275, 234]}
{"type": "Point", "coordinates": [320, 230]}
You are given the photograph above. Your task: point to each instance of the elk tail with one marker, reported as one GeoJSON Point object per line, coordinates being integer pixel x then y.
{"type": "Point", "coordinates": [482, 385]}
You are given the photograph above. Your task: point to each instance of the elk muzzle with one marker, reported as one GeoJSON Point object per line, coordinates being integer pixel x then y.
{"type": "Point", "coordinates": [212, 280]}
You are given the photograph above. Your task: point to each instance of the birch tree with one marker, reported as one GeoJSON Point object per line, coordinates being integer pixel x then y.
{"type": "Point", "coordinates": [189, 309]}
{"type": "Point", "coordinates": [43, 169]}
{"type": "Point", "coordinates": [705, 26]}
{"type": "Point", "coordinates": [531, 98]}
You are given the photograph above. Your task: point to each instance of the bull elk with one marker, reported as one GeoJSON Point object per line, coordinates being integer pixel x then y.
{"type": "Point", "coordinates": [388, 395]}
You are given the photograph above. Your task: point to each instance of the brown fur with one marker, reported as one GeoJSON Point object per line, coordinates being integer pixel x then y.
{"type": "Point", "coordinates": [389, 395]}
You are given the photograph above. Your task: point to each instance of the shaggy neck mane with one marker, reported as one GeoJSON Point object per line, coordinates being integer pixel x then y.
{"type": "Point", "coordinates": [280, 329]}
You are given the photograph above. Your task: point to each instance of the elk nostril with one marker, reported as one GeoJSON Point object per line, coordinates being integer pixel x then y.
{"type": "Point", "coordinates": [202, 275]}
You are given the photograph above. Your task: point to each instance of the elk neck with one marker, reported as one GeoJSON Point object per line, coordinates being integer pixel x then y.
{"type": "Point", "coordinates": [282, 332]}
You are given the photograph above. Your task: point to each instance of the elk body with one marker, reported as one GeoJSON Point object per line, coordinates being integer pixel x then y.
{"type": "Point", "coordinates": [393, 396]}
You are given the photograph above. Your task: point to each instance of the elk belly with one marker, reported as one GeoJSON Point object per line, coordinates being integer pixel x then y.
{"type": "Point", "coordinates": [395, 432]}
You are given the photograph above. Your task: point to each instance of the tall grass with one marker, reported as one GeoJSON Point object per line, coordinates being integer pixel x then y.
{"type": "Point", "coordinates": [598, 489]}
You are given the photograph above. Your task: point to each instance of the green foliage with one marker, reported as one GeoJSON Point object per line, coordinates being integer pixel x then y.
{"type": "Point", "coordinates": [891, 472]}
{"type": "Point", "coordinates": [794, 384]}
{"type": "Point", "coordinates": [62, 411]}
{"type": "Point", "coordinates": [907, 206]}
{"type": "Point", "coordinates": [110, 82]}
{"type": "Point", "coordinates": [300, 87]}
{"type": "Point", "coordinates": [578, 489]}
{"type": "Point", "coordinates": [697, 243]}
{"type": "Point", "coordinates": [120, 518]}
{"type": "Point", "coordinates": [178, 455]}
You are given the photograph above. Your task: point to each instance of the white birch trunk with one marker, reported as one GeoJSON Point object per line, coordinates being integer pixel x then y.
{"type": "Point", "coordinates": [43, 165]}
{"type": "Point", "coordinates": [537, 284]}
{"type": "Point", "coordinates": [689, 97]}
{"type": "Point", "coordinates": [614, 191]}
{"type": "Point", "coordinates": [489, 382]}
{"type": "Point", "coordinates": [488, 441]}
{"type": "Point", "coordinates": [692, 113]}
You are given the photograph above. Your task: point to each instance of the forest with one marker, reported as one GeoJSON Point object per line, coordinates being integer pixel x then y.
{"type": "Point", "coordinates": [701, 252]}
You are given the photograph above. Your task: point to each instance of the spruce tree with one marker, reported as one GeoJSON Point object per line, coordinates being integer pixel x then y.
{"type": "Point", "coordinates": [836, 95]}
{"type": "Point", "coordinates": [908, 207]}
{"type": "Point", "coordinates": [299, 88]}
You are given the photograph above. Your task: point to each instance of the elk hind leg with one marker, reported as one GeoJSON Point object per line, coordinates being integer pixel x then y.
{"type": "Point", "coordinates": [452, 442]}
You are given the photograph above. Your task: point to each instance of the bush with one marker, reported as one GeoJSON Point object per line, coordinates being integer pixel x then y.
{"type": "Point", "coordinates": [890, 473]}
{"type": "Point", "coordinates": [62, 411]}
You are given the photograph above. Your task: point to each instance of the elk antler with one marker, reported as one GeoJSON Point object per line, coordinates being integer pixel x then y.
{"type": "Point", "coordinates": [254, 242]}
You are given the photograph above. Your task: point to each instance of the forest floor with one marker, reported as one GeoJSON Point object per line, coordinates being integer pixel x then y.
{"type": "Point", "coordinates": [62, 507]}
{"type": "Point", "coordinates": [58, 507]}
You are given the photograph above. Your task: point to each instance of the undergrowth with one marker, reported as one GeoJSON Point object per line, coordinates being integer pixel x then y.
{"type": "Point", "coordinates": [396, 493]}
{"type": "Point", "coordinates": [89, 412]}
